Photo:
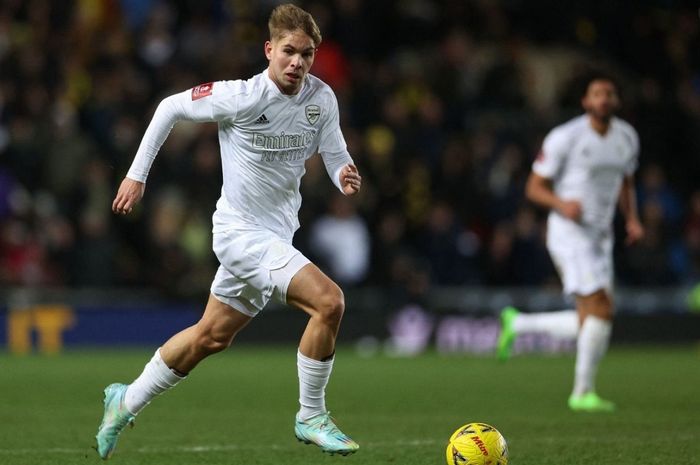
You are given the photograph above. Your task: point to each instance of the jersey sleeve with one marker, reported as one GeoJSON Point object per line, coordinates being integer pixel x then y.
{"type": "Point", "coordinates": [631, 166]}
{"type": "Point", "coordinates": [213, 101]}
{"type": "Point", "coordinates": [551, 156]}
{"type": "Point", "coordinates": [202, 103]}
{"type": "Point", "coordinates": [332, 146]}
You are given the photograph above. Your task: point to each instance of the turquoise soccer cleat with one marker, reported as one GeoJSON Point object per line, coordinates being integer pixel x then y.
{"type": "Point", "coordinates": [321, 430]}
{"type": "Point", "coordinates": [115, 419]}
{"type": "Point", "coordinates": [506, 339]}
{"type": "Point", "coordinates": [590, 402]}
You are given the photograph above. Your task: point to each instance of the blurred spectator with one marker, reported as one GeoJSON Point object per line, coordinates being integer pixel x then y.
{"type": "Point", "coordinates": [341, 242]}
{"type": "Point", "coordinates": [649, 262]}
{"type": "Point", "coordinates": [685, 252]}
{"type": "Point", "coordinates": [498, 267]}
{"type": "Point", "coordinates": [451, 249]}
{"type": "Point", "coordinates": [93, 264]}
{"type": "Point", "coordinates": [530, 260]}
{"type": "Point", "coordinates": [653, 188]}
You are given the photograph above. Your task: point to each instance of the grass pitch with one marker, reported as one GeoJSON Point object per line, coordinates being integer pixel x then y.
{"type": "Point", "coordinates": [238, 408]}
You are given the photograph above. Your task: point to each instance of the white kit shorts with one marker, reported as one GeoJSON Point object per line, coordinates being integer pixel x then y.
{"type": "Point", "coordinates": [582, 257]}
{"type": "Point", "coordinates": [255, 266]}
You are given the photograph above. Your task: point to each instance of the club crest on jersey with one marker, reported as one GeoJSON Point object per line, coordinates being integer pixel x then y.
{"type": "Point", "coordinates": [313, 112]}
{"type": "Point", "coordinates": [202, 90]}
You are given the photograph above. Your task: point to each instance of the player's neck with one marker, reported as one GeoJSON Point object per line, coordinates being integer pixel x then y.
{"type": "Point", "coordinates": [283, 91]}
{"type": "Point", "coordinates": [599, 125]}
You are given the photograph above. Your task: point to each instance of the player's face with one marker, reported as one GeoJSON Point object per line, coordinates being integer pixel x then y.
{"type": "Point", "coordinates": [601, 100]}
{"type": "Point", "coordinates": [291, 57]}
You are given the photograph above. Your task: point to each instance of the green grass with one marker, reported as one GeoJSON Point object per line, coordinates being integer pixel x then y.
{"type": "Point", "coordinates": [238, 408]}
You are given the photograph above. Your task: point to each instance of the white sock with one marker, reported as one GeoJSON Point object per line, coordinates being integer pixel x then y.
{"type": "Point", "coordinates": [562, 324]}
{"type": "Point", "coordinates": [593, 340]}
{"type": "Point", "coordinates": [313, 378]}
{"type": "Point", "coordinates": [155, 378]}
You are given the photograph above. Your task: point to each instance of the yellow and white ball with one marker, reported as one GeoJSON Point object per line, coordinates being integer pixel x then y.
{"type": "Point", "coordinates": [477, 444]}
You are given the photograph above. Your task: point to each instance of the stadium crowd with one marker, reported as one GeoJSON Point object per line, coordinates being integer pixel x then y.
{"type": "Point", "coordinates": [443, 105]}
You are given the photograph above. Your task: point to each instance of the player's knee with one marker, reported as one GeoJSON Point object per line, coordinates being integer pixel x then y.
{"type": "Point", "coordinates": [211, 341]}
{"type": "Point", "coordinates": [331, 306]}
{"type": "Point", "coordinates": [599, 304]}
{"type": "Point", "coordinates": [603, 301]}
{"type": "Point", "coordinates": [219, 344]}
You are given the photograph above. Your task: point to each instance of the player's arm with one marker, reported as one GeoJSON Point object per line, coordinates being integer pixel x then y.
{"type": "Point", "coordinates": [350, 179]}
{"type": "Point", "coordinates": [548, 164]}
{"type": "Point", "coordinates": [343, 172]}
{"type": "Point", "coordinates": [628, 206]}
{"type": "Point", "coordinates": [334, 152]}
{"type": "Point", "coordinates": [129, 194]}
{"type": "Point", "coordinates": [177, 107]}
{"type": "Point", "coordinates": [539, 190]}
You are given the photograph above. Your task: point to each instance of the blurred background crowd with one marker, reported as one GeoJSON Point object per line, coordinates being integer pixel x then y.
{"type": "Point", "coordinates": [443, 104]}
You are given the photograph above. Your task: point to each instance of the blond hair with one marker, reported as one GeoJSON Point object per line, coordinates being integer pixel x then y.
{"type": "Point", "coordinates": [288, 17]}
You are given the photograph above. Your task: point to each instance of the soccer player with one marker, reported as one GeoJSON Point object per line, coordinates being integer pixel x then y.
{"type": "Point", "coordinates": [269, 126]}
{"type": "Point", "coordinates": [586, 167]}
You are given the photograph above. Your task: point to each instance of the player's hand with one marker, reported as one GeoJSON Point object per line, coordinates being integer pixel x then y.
{"type": "Point", "coordinates": [129, 194]}
{"type": "Point", "coordinates": [635, 231]}
{"type": "Point", "coordinates": [350, 179]}
{"type": "Point", "coordinates": [571, 209]}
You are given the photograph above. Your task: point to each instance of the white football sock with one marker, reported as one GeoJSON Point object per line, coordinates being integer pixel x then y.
{"type": "Point", "coordinates": [313, 378]}
{"type": "Point", "coordinates": [562, 324]}
{"type": "Point", "coordinates": [155, 379]}
{"type": "Point", "coordinates": [593, 340]}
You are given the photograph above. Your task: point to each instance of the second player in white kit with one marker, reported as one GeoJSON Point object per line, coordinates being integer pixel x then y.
{"type": "Point", "coordinates": [586, 167]}
{"type": "Point", "coordinates": [269, 126]}
{"type": "Point", "coordinates": [583, 172]}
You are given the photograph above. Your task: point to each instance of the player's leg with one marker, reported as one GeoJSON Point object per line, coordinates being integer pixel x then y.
{"type": "Point", "coordinates": [596, 311]}
{"type": "Point", "coordinates": [562, 324]}
{"type": "Point", "coordinates": [213, 333]}
{"type": "Point", "coordinates": [312, 291]}
{"type": "Point", "coordinates": [315, 293]}
{"type": "Point", "coordinates": [593, 289]}
{"type": "Point", "coordinates": [169, 365]}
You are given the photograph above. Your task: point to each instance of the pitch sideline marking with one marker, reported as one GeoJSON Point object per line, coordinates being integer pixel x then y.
{"type": "Point", "coordinates": [208, 448]}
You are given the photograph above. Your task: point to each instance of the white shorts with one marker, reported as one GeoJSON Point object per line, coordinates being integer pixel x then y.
{"type": "Point", "coordinates": [582, 258]}
{"type": "Point", "coordinates": [255, 266]}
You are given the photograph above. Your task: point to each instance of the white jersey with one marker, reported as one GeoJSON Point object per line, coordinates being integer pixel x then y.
{"type": "Point", "coordinates": [588, 167]}
{"type": "Point", "coordinates": [265, 138]}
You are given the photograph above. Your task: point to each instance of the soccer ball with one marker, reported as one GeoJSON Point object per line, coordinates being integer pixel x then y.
{"type": "Point", "coordinates": [477, 444]}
